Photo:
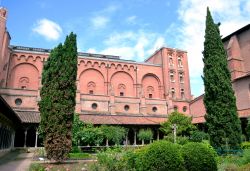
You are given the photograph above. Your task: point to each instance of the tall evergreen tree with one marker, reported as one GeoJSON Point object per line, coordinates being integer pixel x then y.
{"type": "Point", "coordinates": [57, 103]}
{"type": "Point", "coordinates": [223, 123]}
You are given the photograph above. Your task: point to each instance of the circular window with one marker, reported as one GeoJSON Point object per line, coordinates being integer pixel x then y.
{"type": "Point", "coordinates": [184, 108]}
{"type": "Point", "coordinates": [18, 101]}
{"type": "Point", "coordinates": [154, 109]}
{"type": "Point", "coordinates": [94, 106]}
{"type": "Point", "coordinates": [175, 108]}
{"type": "Point", "coordinates": [126, 107]}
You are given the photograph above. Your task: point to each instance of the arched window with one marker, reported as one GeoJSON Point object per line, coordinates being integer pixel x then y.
{"type": "Point", "coordinates": [171, 62]}
{"type": "Point", "coordinates": [91, 87]}
{"type": "Point", "coordinates": [150, 91]}
{"type": "Point", "coordinates": [181, 77]}
{"type": "Point", "coordinates": [172, 76]}
{"type": "Point", "coordinates": [176, 108]}
{"type": "Point", "coordinates": [180, 62]}
{"type": "Point", "coordinates": [173, 92]}
{"type": "Point", "coordinates": [122, 89]}
{"type": "Point", "coordinates": [182, 94]}
{"type": "Point", "coordinates": [23, 82]}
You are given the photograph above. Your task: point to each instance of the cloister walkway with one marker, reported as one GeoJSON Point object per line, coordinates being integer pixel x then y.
{"type": "Point", "coordinates": [16, 161]}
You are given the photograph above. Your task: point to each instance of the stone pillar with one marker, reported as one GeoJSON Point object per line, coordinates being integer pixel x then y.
{"type": "Point", "coordinates": [13, 139]}
{"type": "Point", "coordinates": [134, 136]}
{"type": "Point", "coordinates": [36, 139]}
{"type": "Point", "coordinates": [107, 142]}
{"type": "Point", "coordinates": [126, 140]}
{"type": "Point", "coordinates": [25, 137]}
{"type": "Point", "coordinates": [158, 135]}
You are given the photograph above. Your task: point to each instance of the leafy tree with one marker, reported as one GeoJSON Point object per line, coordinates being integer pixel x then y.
{"type": "Point", "coordinates": [77, 128]}
{"type": "Point", "coordinates": [183, 123]}
{"type": "Point", "coordinates": [222, 119]}
{"type": "Point", "coordinates": [57, 103]}
{"type": "Point", "coordinates": [145, 135]}
{"type": "Point", "coordinates": [113, 133]}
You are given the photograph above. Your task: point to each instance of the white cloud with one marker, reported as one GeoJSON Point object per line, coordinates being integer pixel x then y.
{"type": "Point", "coordinates": [192, 14]}
{"type": "Point", "coordinates": [99, 22]}
{"type": "Point", "coordinates": [131, 19]}
{"type": "Point", "coordinates": [132, 45]}
{"type": "Point", "coordinates": [91, 50]}
{"type": "Point", "coordinates": [48, 29]}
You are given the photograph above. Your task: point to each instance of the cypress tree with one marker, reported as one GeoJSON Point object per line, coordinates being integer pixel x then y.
{"type": "Point", "coordinates": [222, 120]}
{"type": "Point", "coordinates": [57, 103]}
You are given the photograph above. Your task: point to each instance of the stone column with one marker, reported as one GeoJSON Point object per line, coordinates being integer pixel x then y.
{"type": "Point", "coordinates": [126, 140]}
{"type": "Point", "coordinates": [13, 139]}
{"type": "Point", "coordinates": [134, 136]}
{"type": "Point", "coordinates": [36, 138]}
{"type": "Point", "coordinates": [25, 137]}
{"type": "Point", "coordinates": [158, 135]}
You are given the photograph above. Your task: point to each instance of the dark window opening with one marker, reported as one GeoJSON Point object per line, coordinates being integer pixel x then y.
{"type": "Point", "coordinates": [121, 94]}
{"type": "Point", "coordinates": [18, 101]}
{"type": "Point", "coordinates": [184, 109]}
{"type": "Point", "coordinates": [94, 106]}
{"type": "Point", "coordinates": [150, 96]}
{"type": "Point", "coordinates": [154, 109]}
{"type": "Point", "coordinates": [23, 87]}
{"type": "Point", "coordinates": [126, 107]}
{"type": "Point", "coordinates": [175, 108]}
{"type": "Point", "coordinates": [91, 92]}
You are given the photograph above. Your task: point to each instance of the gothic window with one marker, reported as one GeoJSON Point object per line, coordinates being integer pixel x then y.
{"type": "Point", "coordinates": [182, 94]}
{"type": "Point", "coordinates": [150, 91]}
{"type": "Point", "coordinates": [122, 89]}
{"type": "Point", "coordinates": [172, 76]}
{"type": "Point", "coordinates": [171, 63]}
{"type": "Point", "coordinates": [181, 77]}
{"type": "Point", "coordinates": [173, 92]}
{"type": "Point", "coordinates": [180, 62]}
{"type": "Point", "coordinates": [91, 87]}
{"type": "Point", "coordinates": [23, 82]}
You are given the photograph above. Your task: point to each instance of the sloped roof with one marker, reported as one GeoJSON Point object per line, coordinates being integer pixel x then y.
{"type": "Point", "coordinates": [121, 119]}
{"type": "Point", "coordinates": [29, 116]}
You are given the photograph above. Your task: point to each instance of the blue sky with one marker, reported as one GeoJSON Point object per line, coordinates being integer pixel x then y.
{"type": "Point", "coordinates": [132, 29]}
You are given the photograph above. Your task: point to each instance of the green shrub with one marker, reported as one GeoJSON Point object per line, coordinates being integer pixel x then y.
{"type": "Point", "coordinates": [160, 156]}
{"type": "Point", "coordinates": [197, 156]}
{"type": "Point", "coordinates": [75, 149]}
{"type": "Point", "coordinates": [36, 167]}
{"type": "Point", "coordinates": [145, 134]}
{"type": "Point", "coordinates": [245, 145]}
{"type": "Point", "coordinates": [79, 156]}
{"type": "Point", "coordinates": [246, 157]}
{"type": "Point", "coordinates": [198, 136]}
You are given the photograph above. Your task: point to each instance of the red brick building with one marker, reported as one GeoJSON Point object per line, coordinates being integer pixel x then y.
{"type": "Point", "coordinates": [110, 90]}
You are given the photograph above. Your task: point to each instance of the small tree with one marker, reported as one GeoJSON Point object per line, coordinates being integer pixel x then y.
{"type": "Point", "coordinates": [183, 122]}
{"type": "Point", "coordinates": [57, 103]}
{"type": "Point", "coordinates": [145, 135]}
{"type": "Point", "coordinates": [113, 133]}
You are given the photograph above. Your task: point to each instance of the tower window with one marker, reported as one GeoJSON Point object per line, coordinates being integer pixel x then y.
{"type": "Point", "coordinates": [91, 91]}
{"type": "Point", "coordinates": [180, 62]}
{"type": "Point", "coordinates": [171, 76]}
{"type": "Point", "coordinates": [182, 94]}
{"type": "Point", "coordinates": [184, 109]}
{"type": "Point", "coordinates": [175, 108]}
{"type": "Point", "coordinates": [121, 94]}
{"type": "Point", "coordinates": [171, 63]}
{"type": "Point", "coordinates": [173, 93]}
{"type": "Point", "coordinates": [181, 78]}
{"type": "Point", "coordinates": [150, 96]}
